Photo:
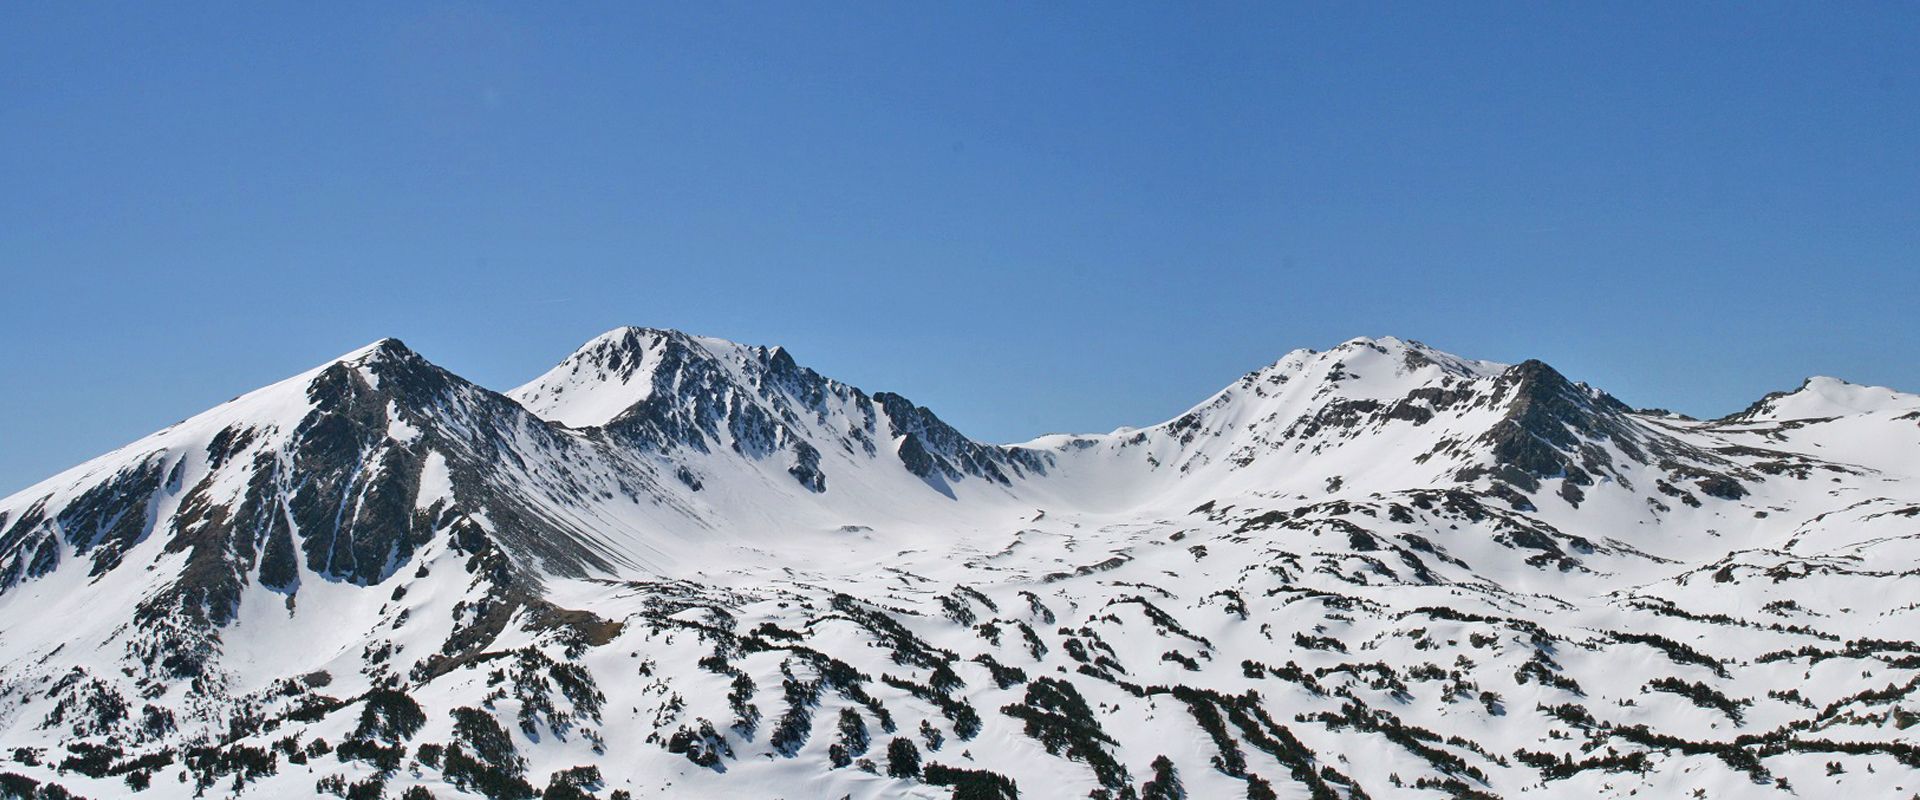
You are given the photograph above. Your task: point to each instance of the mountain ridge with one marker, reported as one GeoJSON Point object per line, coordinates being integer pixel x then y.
{"type": "Point", "coordinates": [718, 515]}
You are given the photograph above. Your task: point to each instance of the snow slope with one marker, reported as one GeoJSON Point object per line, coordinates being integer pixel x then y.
{"type": "Point", "coordinates": [680, 566]}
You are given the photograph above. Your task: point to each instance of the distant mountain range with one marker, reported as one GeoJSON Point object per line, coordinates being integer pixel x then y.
{"type": "Point", "coordinates": [677, 566]}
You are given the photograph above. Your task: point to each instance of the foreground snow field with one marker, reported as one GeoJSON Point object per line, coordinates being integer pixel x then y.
{"type": "Point", "coordinates": [680, 566]}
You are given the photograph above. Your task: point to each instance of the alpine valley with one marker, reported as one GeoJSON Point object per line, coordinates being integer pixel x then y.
{"type": "Point", "coordinates": [676, 566]}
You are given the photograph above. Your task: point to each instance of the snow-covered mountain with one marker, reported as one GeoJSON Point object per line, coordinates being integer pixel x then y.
{"type": "Point", "coordinates": [680, 566]}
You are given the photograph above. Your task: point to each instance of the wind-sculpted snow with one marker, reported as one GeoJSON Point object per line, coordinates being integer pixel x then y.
{"type": "Point", "coordinates": [678, 566]}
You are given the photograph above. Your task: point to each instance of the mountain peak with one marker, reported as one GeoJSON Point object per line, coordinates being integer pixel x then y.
{"type": "Point", "coordinates": [384, 348]}
{"type": "Point", "coordinates": [1376, 342]}
{"type": "Point", "coordinates": [618, 370]}
{"type": "Point", "coordinates": [668, 390]}
{"type": "Point", "coordinates": [1823, 397]}
{"type": "Point", "coordinates": [1383, 361]}
{"type": "Point", "coordinates": [614, 371]}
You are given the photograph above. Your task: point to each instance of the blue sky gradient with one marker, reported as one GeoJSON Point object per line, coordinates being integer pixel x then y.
{"type": "Point", "coordinates": [1031, 217]}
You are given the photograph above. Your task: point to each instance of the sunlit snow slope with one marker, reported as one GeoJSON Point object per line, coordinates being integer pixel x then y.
{"type": "Point", "coordinates": [681, 566]}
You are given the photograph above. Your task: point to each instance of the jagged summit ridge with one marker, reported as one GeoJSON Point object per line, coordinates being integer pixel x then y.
{"type": "Point", "coordinates": [667, 390]}
{"type": "Point", "coordinates": [1397, 411]}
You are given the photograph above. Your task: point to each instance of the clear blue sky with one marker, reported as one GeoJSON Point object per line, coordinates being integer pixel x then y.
{"type": "Point", "coordinates": [1033, 217]}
